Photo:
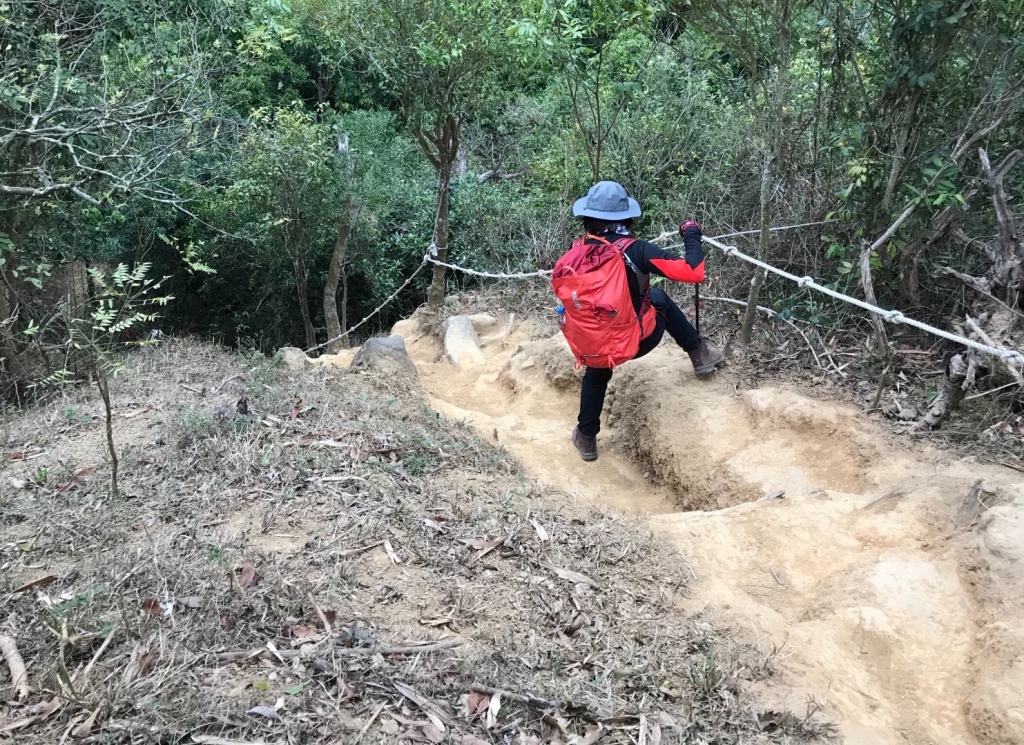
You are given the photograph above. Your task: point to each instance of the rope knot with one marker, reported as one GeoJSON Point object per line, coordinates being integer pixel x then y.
{"type": "Point", "coordinates": [730, 250]}
{"type": "Point", "coordinates": [894, 316]}
{"type": "Point", "coordinates": [805, 281]}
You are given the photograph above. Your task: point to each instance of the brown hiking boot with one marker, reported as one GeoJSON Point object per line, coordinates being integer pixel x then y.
{"type": "Point", "coordinates": [706, 358]}
{"type": "Point", "coordinates": [586, 444]}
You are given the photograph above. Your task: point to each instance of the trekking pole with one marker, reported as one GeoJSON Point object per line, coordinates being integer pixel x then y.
{"type": "Point", "coordinates": [696, 307]}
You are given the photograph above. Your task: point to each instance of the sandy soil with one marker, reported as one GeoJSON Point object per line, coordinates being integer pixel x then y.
{"type": "Point", "coordinates": [903, 626]}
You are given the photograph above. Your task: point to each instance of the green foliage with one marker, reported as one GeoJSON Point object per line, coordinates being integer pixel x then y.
{"type": "Point", "coordinates": [243, 136]}
{"type": "Point", "coordinates": [90, 343]}
{"type": "Point", "coordinates": [600, 50]}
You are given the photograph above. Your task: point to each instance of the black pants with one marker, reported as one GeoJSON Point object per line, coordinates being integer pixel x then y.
{"type": "Point", "coordinates": [670, 318]}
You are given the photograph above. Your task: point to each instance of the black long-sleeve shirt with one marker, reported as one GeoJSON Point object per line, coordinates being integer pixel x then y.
{"type": "Point", "coordinates": [645, 258]}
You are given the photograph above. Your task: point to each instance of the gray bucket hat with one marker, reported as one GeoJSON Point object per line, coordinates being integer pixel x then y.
{"type": "Point", "coordinates": [607, 200]}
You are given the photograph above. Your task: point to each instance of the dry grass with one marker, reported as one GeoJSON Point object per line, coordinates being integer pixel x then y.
{"type": "Point", "coordinates": [197, 606]}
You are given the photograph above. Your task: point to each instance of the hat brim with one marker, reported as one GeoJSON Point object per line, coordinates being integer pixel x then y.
{"type": "Point", "coordinates": [579, 209]}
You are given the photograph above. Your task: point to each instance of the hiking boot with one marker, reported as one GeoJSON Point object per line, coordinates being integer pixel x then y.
{"type": "Point", "coordinates": [706, 358]}
{"type": "Point", "coordinates": [586, 444]}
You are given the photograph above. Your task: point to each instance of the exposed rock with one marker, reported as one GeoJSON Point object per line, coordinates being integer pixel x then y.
{"type": "Point", "coordinates": [483, 322]}
{"type": "Point", "coordinates": [460, 342]}
{"type": "Point", "coordinates": [384, 353]}
{"type": "Point", "coordinates": [342, 359]}
{"type": "Point", "coordinates": [550, 356]}
{"type": "Point", "coordinates": [907, 413]}
{"type": "Point", "coordinates": [407, 327]}
{"type": "Point", "coordinates": [293, 358]}
{"type": "Point", "coordinates": [498, 334]}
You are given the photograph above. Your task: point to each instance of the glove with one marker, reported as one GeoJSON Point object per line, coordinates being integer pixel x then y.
{"type": "Point", "coordinates": [690, 225]}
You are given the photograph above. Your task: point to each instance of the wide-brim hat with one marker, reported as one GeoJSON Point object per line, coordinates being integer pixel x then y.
{"type": "Point", "coordinates": [607, 200]}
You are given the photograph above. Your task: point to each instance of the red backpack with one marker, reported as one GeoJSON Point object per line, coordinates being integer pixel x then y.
{"type": "Point", "coordinates": [599, 321]}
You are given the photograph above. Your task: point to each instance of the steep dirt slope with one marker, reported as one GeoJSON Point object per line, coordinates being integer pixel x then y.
{"type": "Point", "coordinates": [901, 625]}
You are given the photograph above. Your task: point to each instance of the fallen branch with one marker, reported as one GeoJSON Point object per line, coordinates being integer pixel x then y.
{"type": "Point", "coordinates": [320, 614]}
{"type": "Point", "coordinates": [889, 496]}
{"type": "Point", "coordinates": [224, 382]}
{"type": "Point", "coordinates": [959, 375]}
{"type": "Point", "coordinates": [370, 721]}
{"type": "Point", "coordinates": [992, 390]}
{"type": "Point", "coordinates": [975, 327]}
{"type": "Point", "coordinates": [419, 649]}
{"type": "Point", "coordinates": [99, 652]}
{"type": "Point", "coordinates": [534, 702]}
{"type": "Point", "coordinates": [293, 654]}
{"type": "Point", "coordinates": [19, 675]}
{"type": "Point", "coordinates": [882, 383]}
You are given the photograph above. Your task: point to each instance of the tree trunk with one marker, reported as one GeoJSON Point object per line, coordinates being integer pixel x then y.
{"type": "Point", "coordinates": [898, 157]}
{"type": "Point", "coordinates": [773, 147]}
{"type": "Point", "coordinates": [598, 133]}
{"type": "Point", "coordinates": [302, 285]}
{"type": "Point", "coordinates": [8, 349]}
{"type": "Point", "coordinates": [101, 383]}
{"type": "Point", "coordinates": [336, 328]}
{"type": "Point", "coordinates": [880, 340]}
{"type": "Point", "coordinates": [746, 333]}
{"type": "Point", "coordinates": [441, 146]}
{"type": "Point", "coordinates": [435, 293]}
{"type": "Point", "coordinates": [347, 341]}
{"type": "Point", "coordinates": [959, 374]}
{"type": "Point", "coordinates": [1008, 269]}
{"type": "Point", "coordinates": [910, 256]}
{"type": "Point", "coordinates": [8, 298]}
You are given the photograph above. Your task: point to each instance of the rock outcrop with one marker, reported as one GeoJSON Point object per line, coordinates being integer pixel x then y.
{"type": "Point", "coordinates": [384, 353]}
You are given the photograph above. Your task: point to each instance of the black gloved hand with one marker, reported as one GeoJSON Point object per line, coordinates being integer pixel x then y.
{"type": "Point", "coordinates": [689, 226]}
{"type": "Point", "coordinates": [692, 234]}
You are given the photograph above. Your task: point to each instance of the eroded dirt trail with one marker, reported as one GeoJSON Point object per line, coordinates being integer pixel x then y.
{"type": "Point", "coordinates": [857, 576]}
{"type": "Point", "coordinates": [532, 426]}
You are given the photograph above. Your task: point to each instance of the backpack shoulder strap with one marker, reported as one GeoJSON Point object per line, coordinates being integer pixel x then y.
{"type": "Point", "coordinates": [623, 243]}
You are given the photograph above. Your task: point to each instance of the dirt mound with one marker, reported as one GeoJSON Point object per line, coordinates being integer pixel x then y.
{"type": "Point", "coordinates": [715, 448]}
{"type": "Point", "coordinates": [551, 356]}
{"type": "Point", "coordinates": [995, 572]}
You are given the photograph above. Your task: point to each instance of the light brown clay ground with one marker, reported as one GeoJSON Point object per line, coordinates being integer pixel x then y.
{"type": "Point", "coordinates": [903, 628]}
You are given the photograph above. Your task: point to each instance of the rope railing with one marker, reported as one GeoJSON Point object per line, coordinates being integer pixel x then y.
{"type": "Point", "coordinates": [380, 307]}
{"type": "Point", "coordinates": [1010, 357]}
{"type": "Point", "coordinates": [492, 275]}
{"type": "Point", "coordinates": [673, 233]}
{"type": "Point", "coordinates": [428, 258]}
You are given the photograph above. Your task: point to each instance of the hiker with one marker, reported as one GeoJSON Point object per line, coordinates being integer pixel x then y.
{"type": "Point", "coordinates": [593, 284]}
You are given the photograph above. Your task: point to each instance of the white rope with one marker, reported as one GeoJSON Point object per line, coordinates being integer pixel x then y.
{"type": "Point", "coordinates": [662, 237]}
{"type": "Point", "coordinates": [772, 230]}
{"type": "Point", "coordinates": [1008, 356]}
{"type": "Point", "coordinates": [489, 275]}
{"type": "Point", "coordinates": [666, 235]}
{"type": "Point", "coordinates": [380, 307]}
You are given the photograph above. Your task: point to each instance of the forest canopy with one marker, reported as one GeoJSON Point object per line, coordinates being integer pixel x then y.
{"type": "Point", "coordinates": [282, 167]}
